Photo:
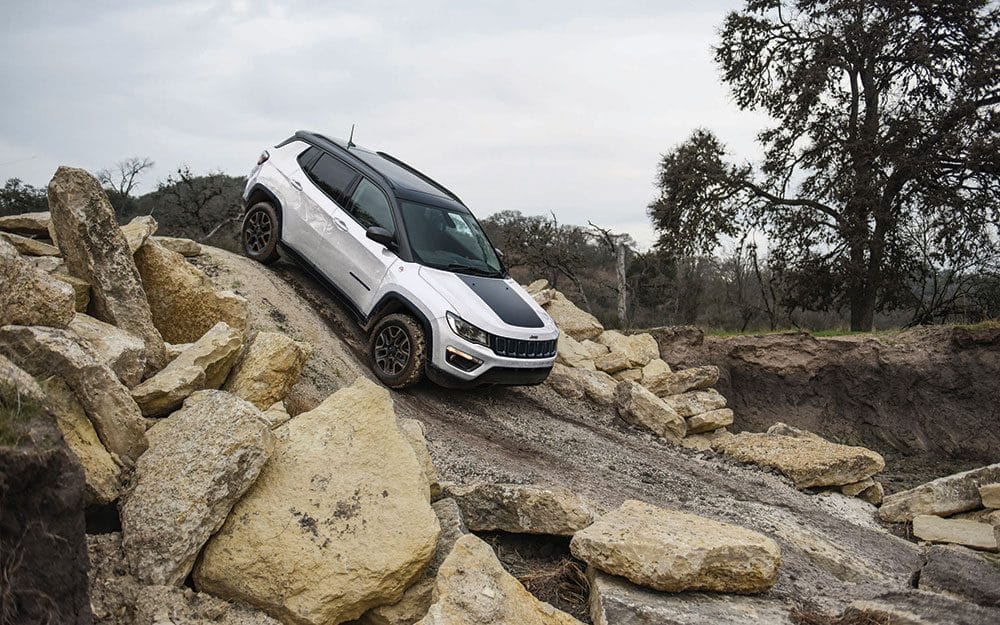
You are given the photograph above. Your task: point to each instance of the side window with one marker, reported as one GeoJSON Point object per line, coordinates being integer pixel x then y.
{"type": "Point", "coordinates": [306, 158]}
{"type": "Point", "coordinates": [370, 207]}
{"type": "Point", "coordinates": [333, 177]}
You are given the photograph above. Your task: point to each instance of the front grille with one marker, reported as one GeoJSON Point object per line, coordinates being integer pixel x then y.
{"type": "Point", "coordinates": [519, 348]}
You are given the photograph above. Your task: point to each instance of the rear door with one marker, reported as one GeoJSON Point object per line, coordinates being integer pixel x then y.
{"type": "Point", "coordinates": [324, 187]}
{"type": "Point", "coordinates": [367, 260]}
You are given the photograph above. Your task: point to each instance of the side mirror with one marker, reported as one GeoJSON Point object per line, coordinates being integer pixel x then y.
{"type": "Point", "coordinates": [381, 236]}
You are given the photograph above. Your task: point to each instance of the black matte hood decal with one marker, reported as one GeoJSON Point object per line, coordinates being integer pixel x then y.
{"type": "Point", "coordinates": [503, 300]}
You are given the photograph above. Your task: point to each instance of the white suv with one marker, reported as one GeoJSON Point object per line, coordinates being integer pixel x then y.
{"type": "Point", "coordinates": [407, 258]}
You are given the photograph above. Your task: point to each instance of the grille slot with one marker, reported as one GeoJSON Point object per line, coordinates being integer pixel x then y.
{"type": "Point", "coordinates": [520, 348]}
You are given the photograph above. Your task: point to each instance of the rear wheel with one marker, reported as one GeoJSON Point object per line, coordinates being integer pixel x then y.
{"type": "Point", "coordinates": [398, 350]}
{"type": "Point", "coordinates": [261, 230]}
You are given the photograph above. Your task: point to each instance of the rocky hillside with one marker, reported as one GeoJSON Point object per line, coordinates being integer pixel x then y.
{"type": "Point", "coordinates": [249, 471]}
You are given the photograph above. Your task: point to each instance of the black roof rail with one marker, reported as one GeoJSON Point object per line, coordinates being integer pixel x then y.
{"type": "Point", "coordinates": [420, 174]}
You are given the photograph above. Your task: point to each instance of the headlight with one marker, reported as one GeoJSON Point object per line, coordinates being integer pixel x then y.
{"type": "Point", "coordinates": [467, 331]}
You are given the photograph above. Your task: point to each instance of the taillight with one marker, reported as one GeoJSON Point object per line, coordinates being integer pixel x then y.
{"type": "Point", "coordinates": [263, 157]}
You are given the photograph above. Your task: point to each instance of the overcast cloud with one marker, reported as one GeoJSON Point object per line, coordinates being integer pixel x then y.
{"type": "Point", "coordinates": [531, 106]}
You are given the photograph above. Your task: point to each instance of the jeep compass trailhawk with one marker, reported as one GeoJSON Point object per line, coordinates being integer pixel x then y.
{"type": "Point", "coordinates": [407, 258]}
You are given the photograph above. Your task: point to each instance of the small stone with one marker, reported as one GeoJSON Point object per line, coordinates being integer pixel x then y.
{"type": "Point", "coordinates": [638, 406]}
{"type": "Point", "coordinates": [990, 494]}
{"type": "Point", "coordinates": [969, 533]}
{"type": "Point", "coordinates": [635, 375]}
{"type": "Point", "coordinates": [874, 494]}
{"type": "Point", "coordinates": [521, 508]}
{"type": "Point", "coordinates": [783, 429]}
{"type": "Point", "coordinates": [537, 286]}
{"type": "Point", "coordinates": [184, 247]}
{"type": "Point", "coordinates": [276, 414]}
{"type": "Point", "coordinates": [704, 442]}
{"type": "Point", "coordinates": [708, 421]}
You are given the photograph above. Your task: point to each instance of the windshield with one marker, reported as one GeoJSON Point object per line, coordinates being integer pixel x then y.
{"type": "Point", "coordinates": [449, 240]}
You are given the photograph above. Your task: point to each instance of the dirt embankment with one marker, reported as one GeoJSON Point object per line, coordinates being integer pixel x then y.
{"type": "Point", "coordinates": [932, 392]}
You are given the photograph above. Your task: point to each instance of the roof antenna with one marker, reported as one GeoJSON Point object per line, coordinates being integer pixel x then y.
{"type": "Point", "coordinates": [350, 142]}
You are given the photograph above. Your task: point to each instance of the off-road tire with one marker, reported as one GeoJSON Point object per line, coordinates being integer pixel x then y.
{"type": "Point", "coordinates": [397, 348]}
{"type": "Point", "coordinates": [261, 232]}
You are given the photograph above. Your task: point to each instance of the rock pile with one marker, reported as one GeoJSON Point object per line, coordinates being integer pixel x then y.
{"type": "Point", "coordinates": [611, 368]}
{"type": "Point", "coordinates": [960, 509]}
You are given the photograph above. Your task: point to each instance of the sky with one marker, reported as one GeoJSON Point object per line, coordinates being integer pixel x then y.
{"type": "Point", "coordinates": [545, 106]}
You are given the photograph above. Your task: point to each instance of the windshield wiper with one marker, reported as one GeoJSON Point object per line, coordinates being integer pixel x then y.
{"type": "Point", "coordinates": [476, 271]}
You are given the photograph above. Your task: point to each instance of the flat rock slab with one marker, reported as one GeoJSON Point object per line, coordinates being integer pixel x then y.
{"type": "Point", "coordinates": [30, 296]}
{"type": "Point", "coordinates": [944, 496]}
{"type": "Point", "coordinates": [28, 246]}
{"type": "Point", "coordinates": [29, 224]}
{"type": "Point", "coordinates": [808, 462]}
{"type": "Point", "coordinates": [691, 379]}
{"type": "Point", "coordinates": [521, 508]}
{"type": "Point", "coordinates": [691, 403]}
{"type": "Point", "coordinates": [617, 601]}
{"type": "Point", "coordinates": [473, 587]}
{"type": "Point", "coordinates": [917, 607]}
{"type": "Point", "coordinates": [960, 571]}
{"type": "Point", "coordinates": [201, 461]}
{"type": "Point", "coordinates": [676, 551]}
{"type": "Point", "coordinates": [338, 522]}
{"type": "Point", "coordinates": [956, 531]}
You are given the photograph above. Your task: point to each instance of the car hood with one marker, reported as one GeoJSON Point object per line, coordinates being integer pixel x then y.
{"type": "Point", "coordinates": [494, 304]}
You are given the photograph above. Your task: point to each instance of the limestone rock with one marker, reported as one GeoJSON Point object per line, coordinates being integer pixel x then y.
{"type": "Point", "coordinates": [276, 415]}
{"type": "Point", "coordinates": [693, 403]}
{"type": "Point", "coordinates": [917, 607]}
{"type": "Point", "coordinates": [638, 406]}
{"type": "Point", "coordinates": [693, 379]}
{"type": "Point", "coordinates": [124, 353]}
{"type": "Point", "coordinates": [268, 369]}
{"type": "Point", "coordinates": [856, 488]}
{"type": "Point", "coordinates": [46, 352]}
{"type": "Point", "coordinates": [635, 375]}
{"type": "Point", "coordinates": [990, 494]}
{"type": "Point", "coordinates": [616, 601]}
{"type": "Point", "coordinates": [418, 598]}
{"type": "Point", "coordinates": [612, 362]}
{"type": "Point", "coordinates": [28, 246]}
{"type": "Point", "coordinates": [655, 373]}
{"type": "Point", "coordinates": [27, 224]}
{"type": "Point", "coordinates": [572, 354]}
{"type": "Point", "coordinates": [969, 533]}
{"type": "Point", "coordinates": [543, 297]}
{"type": "Point", "coordinates": [29, 296]}
{"type": "Point", "coordinates": [571, 320]}
{"type": "Point", "coordinates": [138, 230]}
{"type": "Point", "coordinates": [594, 350]}
{"type": "Point", "coordinates": [330, 528]}
{"type": "Point", "coordinates": [95, 250]}
{"type": "Point", "coordinates": [203, 365]}
{"type": "Point", "coordinates": [184, 301]}
{"type": "Point", "coordinates": [169, 605]}
{"type": "Point", "coordinates": [807, 462]}
{"type": "Point", "coordinates": [413, 430]}
{"type": "Point", "coordinates": [176, 349]}
{"type": "Point", "coordinates": [639, 349]}
{"type": "Point", "coordinates": [48, 264]}
{"type": "Point", "coordinates": [708, 421]}
{"type": "Point", "coordinates": [873, 494]}
{"type": "Point", "coordinates": [206, 456]}
{"type": "Point", "coordinates": [675, 551]}
{"type": "Point", "coordinates": [81, 290]}
{"type": "Point", "coordinates": [980, 516]}
{"type": "Point", "coordinates": [783, 429]}
{"type": "Point", "coordinates": [473, 587]}
{"type": "Point", "coordinates": [597, 386]}
{"type": "Point", "coordinates": [521, 508]}
{"type": "Point", "coordinates": [102, 474]}
{"type": "Point", "coordinates": [537, 286]}
{"type": "Point", "coordinates": [960, 571]}
{"type": "Point", "coordinates": [943, 497]}
{"type": "Point", "coordinates": [184, 247]}
{"type": "Point", "coordinates": [704, 442]}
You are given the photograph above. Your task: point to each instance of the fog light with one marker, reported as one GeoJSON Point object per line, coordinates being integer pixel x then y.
{"type": "Point", "coordinates": [460, 359]}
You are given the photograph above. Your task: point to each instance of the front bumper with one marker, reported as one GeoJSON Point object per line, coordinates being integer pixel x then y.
{"type": "Point", "coordinates": [493, 370]}
{"type": "Point", "coordinates": [496, 375]}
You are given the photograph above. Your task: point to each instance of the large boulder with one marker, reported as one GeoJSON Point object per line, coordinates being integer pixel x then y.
{"type": "Point", "coordinates": [203, 365]}
{"type": "Point", "coordinates": [330, 529]}
{"type": "Point", "coordinates": [639, 349]}
{"type": "Point", "coordinates": [184, 301]}
{"type": "Point", "coordinates": [692, 403]}
{"type": "Point", "coordinates": [473, 587]}
{"type": "Point", "coordinates": [597, 386]}
{"type": "Point", "coordinates": [955, 531]}
{"type": "Point", "coordinates": [95, 250]}
{"type": "Point", "coordinates": [27, 224]}
{"type": "Point", "coordinates": [43, 554]}
{"type": "Point", "coordinates": [123, 352]}
{"type": "Point", "coordinates": [102, 474]}
{"type": "Point", "coordinates": [675, 551]}
{"type": "Point", "coordinates": [269, 367]}
{"type": "Point", "coordinates": [573, 321]}
{"type": "Point", "coordinates": [638, 406]}
{"type": "Point", "coordinates": [962, 572]}
{"type": "Point", "coordinates": [691, 379]}
{"type": "Point", "coordinates": [202, 460]}
{"type": "Point", "coordinates": [944, 496]}
{"type": "Point", "coordinates": [418, 598]}
{"type": "Point", "coordinates": [521, 508]}
{"type": "Point", "coordinates": [413, 430]}
{"type": "Point", "coordinates": [807, 462]}
{"type": "Point", "coordinates": [46, 352]}
{"type": "Point", "coordinates": [29, 296]}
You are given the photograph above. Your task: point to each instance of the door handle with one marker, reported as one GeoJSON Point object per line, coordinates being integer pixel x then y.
{"type": "Point", "coordinates": [340, 224]}
{"type": "Point", "coordinates": [296, 184]}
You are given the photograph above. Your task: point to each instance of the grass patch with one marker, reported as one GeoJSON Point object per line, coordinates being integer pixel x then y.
{"type": "Point", "coordinates": [17, 413]}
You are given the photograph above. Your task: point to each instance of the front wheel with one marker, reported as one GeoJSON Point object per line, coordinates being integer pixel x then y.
{"type": "Point", "coordinates": [261, 230]}
{"type": "Point", "coordinates": [398, 350]}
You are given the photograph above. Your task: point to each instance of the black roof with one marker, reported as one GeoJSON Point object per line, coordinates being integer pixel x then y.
{"type": "Point", "coordinates": [406, 181]}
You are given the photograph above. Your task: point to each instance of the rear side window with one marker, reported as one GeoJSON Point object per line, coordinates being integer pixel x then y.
{"type": "Point", "coordinates": [333, 177]}
{"type": "Point", "coordinates": [370, 207]}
